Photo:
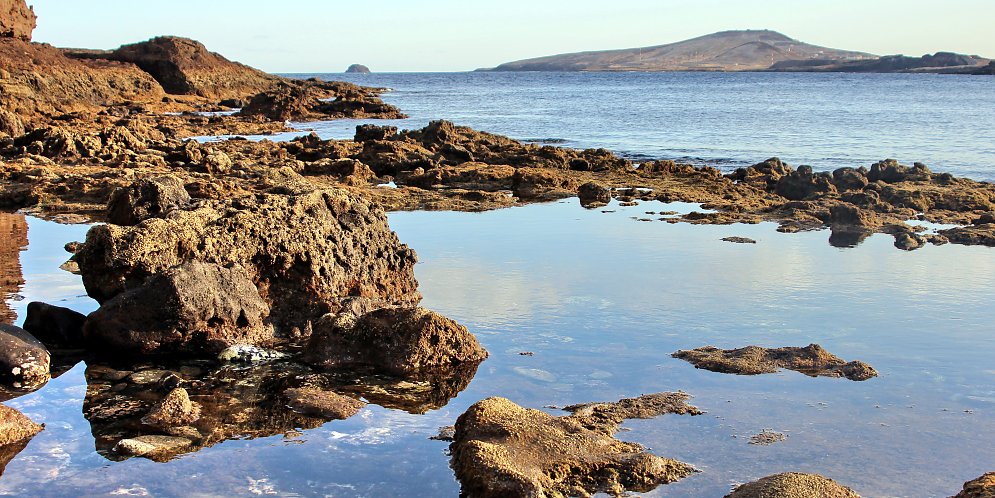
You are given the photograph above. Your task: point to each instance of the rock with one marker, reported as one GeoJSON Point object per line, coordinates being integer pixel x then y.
{"type": "Point", "coordinates": [976, 235]}
{"type": "Point", "coordinates": [217, 163]}
{"type": "Point", "coordinates": [811, 360]}
{"type": "Point", "coordinates": [501, 449]}
{"type": "Point", "coordinates": [14, 426]}
{"type": "Point", "coordinates": [739, 240]}
{"type": "Point", "coordinates": [17, 20]}
{"type": "Point", "coordinates": [151, 198]}
{"type": "Point", "coordinates": [369, 132]}
{"type": "Point", "coordinates": [194, 309]}
{"type": "Point", "coordinates": [10, 123]}
{"type": "Point", "coordinates": [321, 403]}
{"type": "Point", "coordinates": [158, 448]}
{"type": "Point", "coordinates": [767, 438]}
{"type": "Point", "coordinates": [247, 353]}
{"type": "Point", "coordinates": [398, 341]}
{"type": "Point", "coordinates": [593, 195]}
{"type": "Point", "coordinates": [24, 361]}
{"type": "Point", "coordinates": [55, 326]}
{"type": "Point", "coordinates": [849, 179]}
{"type": "Point", "coordinates": [793, 485]}
{"type": "Point", "coordinates": [803, 184]}
{"type": "Point", "coordinates": [909, 241]}
{"type": "Point", "coordinates": [889, 171]}
{"type": "Point", "coordinates": [982, 487]}
{"type": "Point", "coordinates": [175, 409]}
{"type": "Point", "coordinates": [358, 69]}
{"type": "Point", "coordinates": [307, 255]}
{"type": "Point", "coordinates": [309, 100]}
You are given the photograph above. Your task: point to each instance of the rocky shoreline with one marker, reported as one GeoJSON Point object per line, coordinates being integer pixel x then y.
{"type": "Point", "coordinates": [241, 275]}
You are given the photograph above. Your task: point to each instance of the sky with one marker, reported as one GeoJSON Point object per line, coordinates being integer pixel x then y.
{"type": "Point", "coordinates": [451, 35]}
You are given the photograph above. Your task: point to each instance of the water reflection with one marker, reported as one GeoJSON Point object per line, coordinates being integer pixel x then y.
{"type": "Point", "coordinates": [13, 240]}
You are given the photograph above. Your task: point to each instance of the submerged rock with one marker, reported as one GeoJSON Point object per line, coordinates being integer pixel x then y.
{"type": "Point", "coordinates": [982, 487]}
{"type": "Point", "coordinates": [503, 450]}
{"type": "Point", "coordinates": [739, 240]}
{"type": "Point", "coordinates": [24, 360]}
{"type": "Point", "coordinates": [194, 309]}
{"type": "Point", "coordinates": [15, 426]}
{"type": "Point", "coordinates": [398, 341]}
{"type": "Point", "coordinates": [793, 485]}
{"type": "Point", "coordinates": [247, 353]}
{"type": "Point", "coordinates": [54, 325]}
{"type": "Point", "coordinates": [175, 409]}
{"type": "Point", "coordinates": [811, 360]}
{"type": "Point", "coordinates": [323, 403]}
{"type": "Point", "coordinates": [154, 447]}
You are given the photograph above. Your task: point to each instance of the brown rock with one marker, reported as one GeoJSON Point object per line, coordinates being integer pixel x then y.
{"type": "Point", "coordinates": [400, 341]}
{"type": "Point", "coordinates": [157, 448]}
{"type": "Point", "coordinates": [175, 409]}
{"type": "Point", "coordinates": [17, 20]}
{"type": "Point", "coordinates": [195, 308]}
{"type": "Point", "coordinates": [54, 325]}
{"type": "Point", "coordinates": [502, 449]}
{"type": "Point", "coordinates": [24, 361]}
{"type": "Point", "coordinates": [803, 184]}
{"type": "Point", "coordinates": [976, 235]}
{"type": "Point", "coordinates": [793, 485]}
{"type": "Point", "coordinates": [151, 198]}
{"type": "Point", "coordinates": [811, 360]}
{"type": "Point", "coordinates": [594, 195]}
{"type": "Point", "coordinates": [982, 487]}
{"type": "Point", "coordinates": [14, 426]}
{"type": "Point", "coordinates": [322, 403]}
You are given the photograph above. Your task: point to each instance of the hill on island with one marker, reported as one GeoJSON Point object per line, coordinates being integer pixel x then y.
{"type": "Point", "coordinates": [748, 50]}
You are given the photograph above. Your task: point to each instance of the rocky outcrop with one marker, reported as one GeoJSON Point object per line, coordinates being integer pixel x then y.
{"type": "Point", "coordinates": [55, 326]}
{"type": "Point", "coordinates": [24, 361]}
{"type": "Point", "coordinates": [303, 255]}
{"type": "Point", "coordinates": [358, 69]}
{"type": "Point", "coordinates": [17, 20]}
{"type": "Point", "coordinates": [13, 240]}
{"type": "Point", "coordinates": [313, 99]}
{"type": "Point", "coordinates": [982, 487]}
{"type": "Point", "coordinates": [803, 184]}
{"type": "Point", "coordinates": [594, 195]}
{"type": "Point", "coordinates": [503, 450]}
{"type": "Point", "coordinates": [793, 485]}
{"type": "Point", "coordinates": [811, 360]}
{"type": "Point", "coordinates": [194, 308]}
{"type": "Point", "coordinates": [16, 431]}
{"type": "Point", "coordinates": [400, 341]}
{"type": "Point", "coordinates": [154, 197]}
{"type": "Point", "coordinates": [185, 67]}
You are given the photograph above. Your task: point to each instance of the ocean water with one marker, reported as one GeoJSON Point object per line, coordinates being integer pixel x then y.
{"type": "Point", "coordinates": [725, 120]}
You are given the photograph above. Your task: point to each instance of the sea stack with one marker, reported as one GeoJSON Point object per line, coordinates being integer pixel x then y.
{"type": "Point", "coordinates": [358, 69]}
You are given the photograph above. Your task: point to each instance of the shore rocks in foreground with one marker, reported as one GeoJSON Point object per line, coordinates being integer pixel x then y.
{"type": "Point", "coordinates": [302, 255]}
{"type": "Point", "coordinates": [982, 487]}
{"type": "Point", "coordinates": [811, 360]}
{"type": "Point", "coordinates": [504, 450]}
{"type": "Point", "coordinates": [55, 326]}
{"type": "Point", "coordinates": [150, 198]}
{"type": "Point", "coordinates": [15, 426]}
{"type": "Point", "coordinates": [793, 485]}
{"type": "Point", "coordinates": [24, 360]}
{"type": "Point", "coordinates": [398, 341]}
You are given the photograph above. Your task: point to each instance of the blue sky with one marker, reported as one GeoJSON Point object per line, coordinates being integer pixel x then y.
{"type": "Point", "coordinates": [450, 35]}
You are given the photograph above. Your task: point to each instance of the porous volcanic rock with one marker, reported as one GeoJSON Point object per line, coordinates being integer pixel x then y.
{"type": "Point", "coordinates": [55, 325]}
{"type": "Point", "coordinates": [15, 426]}
{"type": "Point", "coordinates": [323, 403]}
{"type": "Point", "coordinates": [194, 308]}
{"type": "Point", "coordinates": [398, 341]}
{"type": "Point", "coordinates": [307, 255]}
{"type": "Point", "coordinates": [793, 485]}
{"type": "Point", "coordinates": [154, 197]}
{"type": "Point", "coordinates": [593, 195]}
{"type": "Point", "coordinates": [982, 487]}
{"type": "Point", "coordinates": [24, 360]}
{"type": "Point", "coordinates": [183, 66]}
{"type": "Point", "coordinates": [175, 409]}
{"type": "Point", "coordinates": [313, 99]}
{"type": "Point", "coordinates": [501, 449]}
{"type": "Point", "coordinates": [811, 360]}
{"type": "Point", "coordinates": [17, 20]}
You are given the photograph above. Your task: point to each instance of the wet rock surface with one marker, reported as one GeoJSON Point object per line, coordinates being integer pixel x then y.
{"type": "Point", "coordinates": [398, 341]}
{"type": "Point", "coordinates": [15, 427]}
{"type": "Point", "coordinates": [982, 487]}
{"type": "Point", "coordinates": [24, 360]}
{"type": "Point", "coordinates": [793, 485]}
{"type": "Point", "coordinates": [811, 360]}
{"type": "Point", "coordinates": [322, 403]}
{"type": "Point", "coordinates": [55, 326]}
{"type": "Point", "coordinates": [502, 449]}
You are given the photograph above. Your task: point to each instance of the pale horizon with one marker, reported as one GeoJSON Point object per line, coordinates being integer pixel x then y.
{"type": "Point", "coordinates": [446, 35]}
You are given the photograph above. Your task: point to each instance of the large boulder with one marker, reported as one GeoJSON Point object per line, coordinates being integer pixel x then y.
{"type": "Point", "coordinates": [54, 325]}
{"type": "Point", "coordinates": [154, 197]}
{"type": "Point", "coordinates": [793, 485]}
{"type": "Point", "coordinates": [593, 194]}
{"type": "Point", "coordinates": [195, 308]}
{"type": "Point", "coordinates": [24, 360]}
{"type": "Point", "coordinates": [398, 341]}
{"type": "Point", "coordinates": [307, 255]}
{"type": "Point", "coordinates": [17, 20]}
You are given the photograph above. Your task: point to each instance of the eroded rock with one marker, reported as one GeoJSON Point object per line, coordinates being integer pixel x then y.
{"type": "Point", "coordinates": [55, 326]}
{"type": "Point", "coordinates": [502, 449]}
{"type": "Point", "coordinates": [982, 487]}
{"type": "Point", "coordinates": [15, 426]}
{"type": "Point", "coordinates": [811, 360]}
{"type": "Point", "coordinates": [24, 360]}
{"type": "Point", "coordinates": [322, 403]}
{"type": "Point", "coordinates": [594, 195]}
{"type": "Point", "coordinates": [793, 485]}
{"type": "Point", "coordinates": [144, 199]}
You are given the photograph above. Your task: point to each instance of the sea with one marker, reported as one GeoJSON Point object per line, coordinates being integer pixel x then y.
{"type": "Point", "coordinates": [599, 299]}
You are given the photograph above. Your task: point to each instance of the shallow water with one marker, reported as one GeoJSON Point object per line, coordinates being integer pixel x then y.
{"type": "Point", "coordinates": [722, 119]}
{"type": "Point", "coordinates": [602, 299]}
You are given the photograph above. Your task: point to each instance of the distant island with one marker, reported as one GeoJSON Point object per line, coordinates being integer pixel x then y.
{"type": "Point", "coordinates": [749, 50]}
{"type": "Point", "coordinates": [358, 69]}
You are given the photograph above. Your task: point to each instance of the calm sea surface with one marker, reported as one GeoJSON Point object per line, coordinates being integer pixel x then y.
{"type": "Point", "coordinates": [721, 119]}
{"type": "Point", "coordinates": [602, 300]}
